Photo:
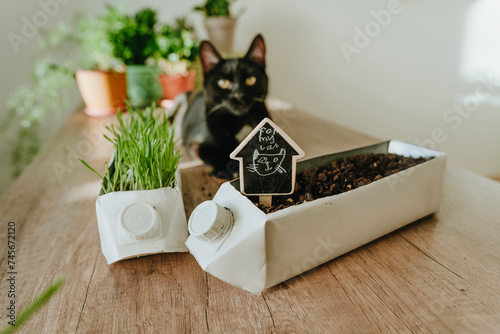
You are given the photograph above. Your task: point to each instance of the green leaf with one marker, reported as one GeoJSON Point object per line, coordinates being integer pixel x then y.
{"type": "Point", "coordinates": [34, 306]}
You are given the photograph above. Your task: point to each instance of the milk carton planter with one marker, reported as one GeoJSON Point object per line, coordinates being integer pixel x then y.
{"type": "Point", "coordinates": [137, 223]}
{"type": "Point", "coordinates": [140, 209]}
{"type": "Point", "coordinates": [235, 241]}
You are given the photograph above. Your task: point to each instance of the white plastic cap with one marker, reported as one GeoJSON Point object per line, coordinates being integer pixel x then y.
{"type": "Point", "coordinates": [210, 221]}
{"type": "Point", "coordinates": [139, 221]}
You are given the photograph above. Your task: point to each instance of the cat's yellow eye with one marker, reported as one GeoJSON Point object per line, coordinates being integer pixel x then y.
{"type": "Point", "coordinates": [250, 81]}
{"type": "Point", "coordinates": [224, 83]}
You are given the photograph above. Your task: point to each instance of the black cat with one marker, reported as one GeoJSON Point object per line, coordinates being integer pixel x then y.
{"type": "Point", "coordinates": [233, 97]}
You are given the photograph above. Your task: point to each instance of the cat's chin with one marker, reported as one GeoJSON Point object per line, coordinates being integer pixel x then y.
{"type": "Point", "coordinates": [238, 110]}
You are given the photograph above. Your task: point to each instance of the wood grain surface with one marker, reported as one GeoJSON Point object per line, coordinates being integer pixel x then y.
{"type": "Point", "coordinates": [438, 275]}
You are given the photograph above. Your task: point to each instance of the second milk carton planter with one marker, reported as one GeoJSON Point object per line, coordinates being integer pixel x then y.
{"type": "Point", "coordinates": [137, 223]}
{"type": "Point", "coordinates": [238, 243]}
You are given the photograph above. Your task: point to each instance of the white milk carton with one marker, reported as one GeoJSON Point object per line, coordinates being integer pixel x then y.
{"type": "Point", "coordinates": [235, 241]}
{"type": "Point", "coordinates": [138, 223]}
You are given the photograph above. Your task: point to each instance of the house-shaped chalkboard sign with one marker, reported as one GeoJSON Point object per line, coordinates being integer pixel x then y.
{"type": "Point", "coordinates": [268, 158]}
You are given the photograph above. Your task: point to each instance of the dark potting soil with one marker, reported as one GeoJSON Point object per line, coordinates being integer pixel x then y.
{"type": "Point", "coordinates": [340, 176]}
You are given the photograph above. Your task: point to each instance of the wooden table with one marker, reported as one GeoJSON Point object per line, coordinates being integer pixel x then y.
{"type": "Point", "coordinates": [440, 274]}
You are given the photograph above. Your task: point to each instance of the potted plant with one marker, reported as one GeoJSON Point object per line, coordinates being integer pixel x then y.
{"type": "Point", "coordinates": [102, 85]}
{"type": "Point", "coordinates": [177, 50]}
{"type": "Point", "coordinates": [134, 42]}
{"type": "Point", "coordinates": [364, 194]}
{"type": "Point", "coordinates": [219, 23]}
{"type": "Point", "coordinates": [140, 209]}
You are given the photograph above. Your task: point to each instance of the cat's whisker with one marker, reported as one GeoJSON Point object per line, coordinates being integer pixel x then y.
{"type": "Point", "coordinates": [215, 108]}
{"type": "Point", "coordinates": [260, 99]}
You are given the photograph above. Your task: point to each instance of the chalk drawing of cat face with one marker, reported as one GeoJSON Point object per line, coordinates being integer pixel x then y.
{"type": "Point", "coordinates": [266, 164]}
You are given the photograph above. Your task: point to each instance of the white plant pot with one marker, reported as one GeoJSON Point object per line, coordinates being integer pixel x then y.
{"type": "Point", "coordinates": [138, 223]}
{"type": "Point", "coordinates": [255, 251]}
{"type": "Point", "coordinates": [221, 32]}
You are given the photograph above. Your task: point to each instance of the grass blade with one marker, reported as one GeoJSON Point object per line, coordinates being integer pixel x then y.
{"type": "Point", "coordinates": [34, 306]}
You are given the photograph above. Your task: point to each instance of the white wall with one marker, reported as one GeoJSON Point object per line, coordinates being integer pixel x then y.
{"type": "Point", "coordinates": [408, 83]}
{"type": "Point", "coordinates": [419, 78]}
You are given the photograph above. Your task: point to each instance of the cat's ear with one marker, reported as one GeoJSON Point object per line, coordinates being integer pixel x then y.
{"type": "Point", "coordinates": [209, 56]}
{"type": "Point", "coordinates": [257, 51]}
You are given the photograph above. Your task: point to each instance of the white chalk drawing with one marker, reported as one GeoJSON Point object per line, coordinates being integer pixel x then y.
{"type": "Point", "coordinates": [263, 167]}
{"type": "Point", "coordinates": [267, 163]}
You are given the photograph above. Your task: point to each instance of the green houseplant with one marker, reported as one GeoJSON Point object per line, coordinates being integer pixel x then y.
{"type": "Point", "coordinates": [134, 42]}
{"type": "Point", "coordinates": [140, 209]}
{"type": "Point", "coordinates": [177, 50]}
{"type": "Point", "coordinates": [103, 85]}
{"type": "Point", "coordinates": [219, 23]}
{"type": "Point", "coordinates": [61, 53]}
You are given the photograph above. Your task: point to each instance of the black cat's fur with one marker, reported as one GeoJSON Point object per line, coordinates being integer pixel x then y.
{"type": "Point", "coordinates": [215, 116]}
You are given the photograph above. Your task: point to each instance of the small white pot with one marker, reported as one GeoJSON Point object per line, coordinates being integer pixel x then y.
{"type": "Point", "coordinates": [235, 241]}
{"type": "Point", "coordinates": [221, 32]}
{"type": "Point", "coordinates": [138, 223]}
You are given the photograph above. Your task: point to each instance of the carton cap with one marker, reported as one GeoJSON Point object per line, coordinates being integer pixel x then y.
{"type": "Point", "coordinates": [209, 221]}
{"type": "Point", "coordinates": [139, 221]}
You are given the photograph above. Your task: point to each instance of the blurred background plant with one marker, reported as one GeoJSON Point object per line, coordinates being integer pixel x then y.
{"type": "Point", "coordinates": [132, 37]}
{"type": "Point", "coordinates": [52, 70]}
{"type": "Point", "coordinates": [216, 8]}
{"type": "Point", "coordinates": [107, 43]}
{"type": "Point", "coordinates": [177, 47]}
{"type": "Point", "coordinates": [47, 93]}
{"type": "Point", "coordinates": [94, 35]}
{"type": "Point", "coordinates": [61, 52]}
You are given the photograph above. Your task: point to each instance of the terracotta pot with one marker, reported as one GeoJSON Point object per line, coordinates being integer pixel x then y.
{"type": "Point", "coordinates": [221, 32]}
{"type": "Point", "coordinates": [174, 85]}
{"type": "Point", "coordinates": [103, 92]}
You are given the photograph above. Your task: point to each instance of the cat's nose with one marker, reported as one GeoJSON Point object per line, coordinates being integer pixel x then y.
{"type": "Point", "coordinates": [237, 96]}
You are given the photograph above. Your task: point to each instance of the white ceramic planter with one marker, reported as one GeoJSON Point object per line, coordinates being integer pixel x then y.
{"type": "Point", "coordinates": [255, 251]}
{"type": "Point", "coordinates": [221, 32]}
{"type": "Point", "coordinates": [138, 223]}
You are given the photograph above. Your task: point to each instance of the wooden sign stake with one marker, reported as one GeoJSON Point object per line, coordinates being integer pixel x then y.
{"type": "Point", "coordinates": [268, 158]}
{"type": "Point", "coordinates": [266, 200]}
